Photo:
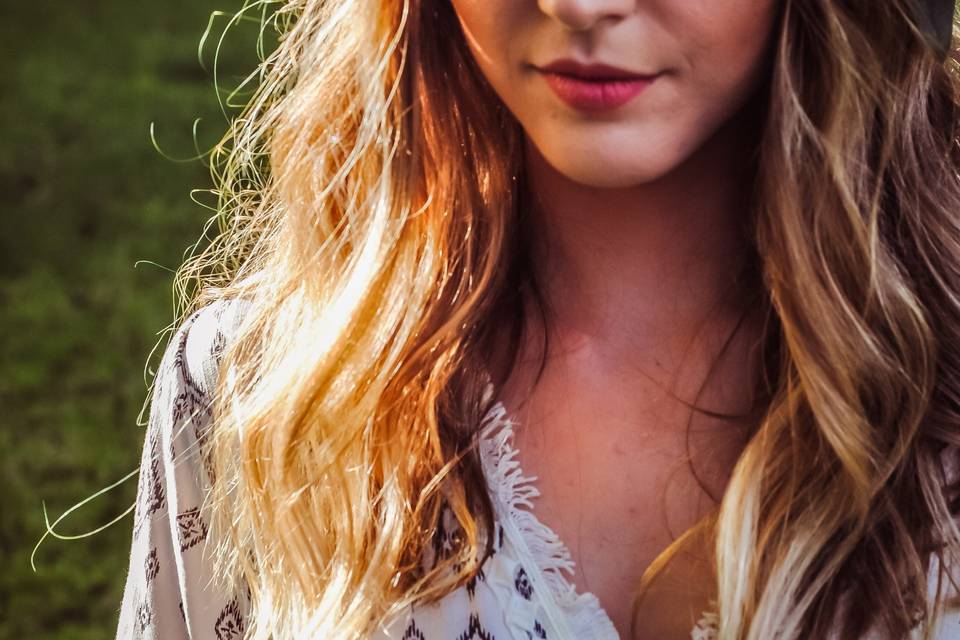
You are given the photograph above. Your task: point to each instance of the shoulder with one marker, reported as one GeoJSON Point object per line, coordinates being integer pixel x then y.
{"type": "Point", "coordinates": [193, 353]}
{"type": "Point", "coordinates": [182, 392]}
{"type": "Point", "coordinates": [181, 399]}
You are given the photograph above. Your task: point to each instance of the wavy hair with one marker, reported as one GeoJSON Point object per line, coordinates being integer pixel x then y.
{"type": "Point", "coordinates": [371, 212]}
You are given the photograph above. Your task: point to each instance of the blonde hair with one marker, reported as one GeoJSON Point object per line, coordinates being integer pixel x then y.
{"type": "Point", "coordinates": [371, 217]}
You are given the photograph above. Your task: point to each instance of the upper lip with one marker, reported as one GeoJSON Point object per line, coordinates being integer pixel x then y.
{"type": "Point", "coordinates": [568, 66]}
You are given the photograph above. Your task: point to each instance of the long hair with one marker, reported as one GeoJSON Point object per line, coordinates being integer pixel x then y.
{"type": "Point", "coordinates": [372, 220]}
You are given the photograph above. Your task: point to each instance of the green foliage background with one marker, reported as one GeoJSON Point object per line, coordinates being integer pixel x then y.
{"type": "Point", "coordinates": [84, 195]}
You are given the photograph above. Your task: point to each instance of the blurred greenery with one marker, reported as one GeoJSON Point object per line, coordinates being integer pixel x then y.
{"type": "Point", "coordinates": [84, 195]}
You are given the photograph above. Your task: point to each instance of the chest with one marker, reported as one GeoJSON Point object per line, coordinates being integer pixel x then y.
{"type": "Point", "coordinates": [619, 492]}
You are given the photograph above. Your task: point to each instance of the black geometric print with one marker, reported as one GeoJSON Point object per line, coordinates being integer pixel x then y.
{"type": "Point", "coordinates": [173, 448]}
{"type": "Point", "coordinates": [443, 540]}
{"type": "Point", "coordinates": [448, 537]}
{"type": "Point", "coordinates": [144, 616]}
{"type": "Point", "coordinates": [217, 347]}
{"type": "Point", "coordinates": [189, 404]}
{"type": "Point", "coordinates": [151, 565]}
{"type": "Point", "coordinates": [230, 623]}
{"type": "Point", "coordinates": [522, 583]}
{"type": "Point", "coordinates": [472, 582]}
{"type": "Point", "coordinates": [179, 358]}
{"type": "Point", "coordinates": [156, 498]}
{"type": "Point", "coordinates": [191, 527]}
{"type": "Point", "coordinates": [196, 406]}
{"type": "Point", "coordinates": [538, 631]}
{"type": "Point", "coordinates": [413, 632]}
{"type": "Point", "coordinates": [150, 486]}
{"type": "Point", "coordinates": [475, 630]}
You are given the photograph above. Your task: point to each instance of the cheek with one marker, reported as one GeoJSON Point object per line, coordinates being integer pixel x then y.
{"type": "Point", "coordinates": [725, 49]}
{"type": "Point", "coordinates": [728, 48]}
{"type": "Point", "coordinates": [486, 25]}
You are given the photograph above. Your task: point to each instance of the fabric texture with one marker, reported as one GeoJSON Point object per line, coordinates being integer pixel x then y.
{"type": "Point", "coordinates": [523, 591]}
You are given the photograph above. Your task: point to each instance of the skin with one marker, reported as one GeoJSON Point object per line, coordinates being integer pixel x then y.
{"type": "Point", "coordinates": [638, 211]}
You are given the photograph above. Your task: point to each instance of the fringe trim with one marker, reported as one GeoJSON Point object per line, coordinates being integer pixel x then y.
{"type": "Point", "coordinates": [515, 493]}
{"type": "Point", "coordinates": [706, 627]}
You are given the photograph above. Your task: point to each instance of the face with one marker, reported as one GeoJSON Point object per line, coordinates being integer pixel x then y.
{"type": "Point", "coordinates": [708, 56]}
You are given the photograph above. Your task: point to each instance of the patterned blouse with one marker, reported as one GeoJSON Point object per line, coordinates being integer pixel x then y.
{"type": "Point", "coordinates": [523, 591]}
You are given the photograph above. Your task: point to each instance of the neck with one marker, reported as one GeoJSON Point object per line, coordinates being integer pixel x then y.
{"type": "Point", "coordinates": [632, 273]}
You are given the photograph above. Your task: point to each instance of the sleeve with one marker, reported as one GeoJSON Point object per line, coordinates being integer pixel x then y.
{"type": "Point", "coordinates": [168, 594]}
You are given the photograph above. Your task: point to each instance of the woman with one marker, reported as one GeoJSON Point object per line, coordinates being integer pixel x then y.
{"type": "Point", "coordinates": [704, 306]}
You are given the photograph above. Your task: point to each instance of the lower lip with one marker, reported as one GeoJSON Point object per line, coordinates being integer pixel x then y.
{"type": "Point", "coordinates": [595, 95]}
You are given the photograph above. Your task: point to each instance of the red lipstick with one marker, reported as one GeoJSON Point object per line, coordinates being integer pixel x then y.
{"type": "Point", "coordinates": [594, 87]}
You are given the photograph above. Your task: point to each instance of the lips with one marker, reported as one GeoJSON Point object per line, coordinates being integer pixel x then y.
{"type": "Point", "coordinates": [593, 87]}
{"type": "Point", "coordinates": [594, 71]}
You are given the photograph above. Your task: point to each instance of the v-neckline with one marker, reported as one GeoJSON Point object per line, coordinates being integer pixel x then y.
{"type": "Point", "coordinates": [576, 615]}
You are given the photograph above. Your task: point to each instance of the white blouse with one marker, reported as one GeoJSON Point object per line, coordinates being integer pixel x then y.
{"type": "Point", "coordinates": [523, 591]}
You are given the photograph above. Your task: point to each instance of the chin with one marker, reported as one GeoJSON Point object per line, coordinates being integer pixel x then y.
{"type": "Point", "coordinates": [604, 171]}
{"type": "Point", "coordinates": [610, 160]}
